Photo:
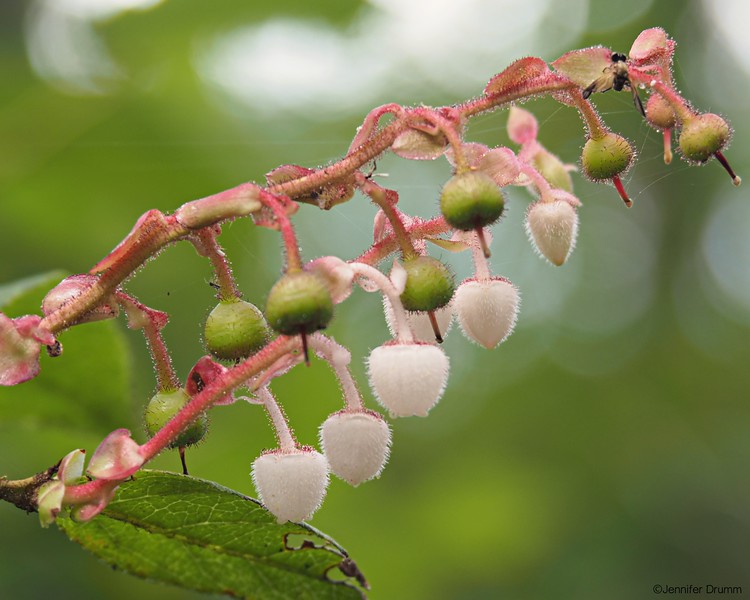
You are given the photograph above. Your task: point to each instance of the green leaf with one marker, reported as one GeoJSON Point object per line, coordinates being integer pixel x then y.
{"type": "Point", "coordinates": [76, 399]}
{"type": "Point", "coordinates": [198, 535]}
{"type": "Point", "coordinates": [17, 290]}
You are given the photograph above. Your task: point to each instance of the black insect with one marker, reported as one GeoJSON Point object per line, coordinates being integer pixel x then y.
{"type": "Point", "coordinates": [615, 77]}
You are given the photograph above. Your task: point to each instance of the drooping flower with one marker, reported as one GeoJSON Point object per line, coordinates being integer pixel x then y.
{"type": "Point", "coordinates": [291, 483]}
{"type": "Point", "coordinates": [356, 444]}
{"type": "Point", "coordinates": [408, 379]}
{"type": "Point", "coordinates": [487, 310]}
{"type": "Point", "coordinates": [552, 227]}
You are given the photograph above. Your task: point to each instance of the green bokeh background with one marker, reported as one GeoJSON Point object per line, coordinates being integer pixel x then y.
{"type": "Point", "coordinates": [601, 450]}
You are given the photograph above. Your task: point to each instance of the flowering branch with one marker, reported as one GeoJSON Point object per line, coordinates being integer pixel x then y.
{"type": "Point", "coordinates": [408, 374]}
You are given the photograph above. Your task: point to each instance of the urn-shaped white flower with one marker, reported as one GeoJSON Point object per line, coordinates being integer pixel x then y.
{"type": "Point", "coordinates": [408, 379]}
{"type": "Point", "coordinates": [552, 228]}
{"type": "Point", "coordinates": [356, 444]}
{"type": "Point", "coordinates": [487, 310]}
{"type": "Point", "coordinates": [291, 484]}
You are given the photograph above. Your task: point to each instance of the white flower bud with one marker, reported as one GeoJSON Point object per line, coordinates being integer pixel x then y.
{"type": "Point", "coordinates": [419, 322]}
{"type": "Point", "coordinates": [356, 444]}
{"type": "Point", "coordinates": [291, 485]}
{"type": "Point", "coordinates": [408, 379]}
{"type": "Point", "coordinates": [553, 227]}
{"type": "Point", "coordinates": [487, 310]}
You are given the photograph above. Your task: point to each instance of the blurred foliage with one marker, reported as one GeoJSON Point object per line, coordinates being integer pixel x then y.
{"type": "Point", "coordinates": [601, 450]}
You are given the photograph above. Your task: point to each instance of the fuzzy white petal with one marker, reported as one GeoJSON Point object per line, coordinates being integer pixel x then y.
{"type": "Point", "coordinates": [356, 444]}
{"type": "Point", "coordinates": [408, 379]}
{"type": "Point", "coordinates": [487, 310]}
{"type": "Point", "coordinates": [291, 485]}
{"type": "Point", "coordinates": [553, 227]}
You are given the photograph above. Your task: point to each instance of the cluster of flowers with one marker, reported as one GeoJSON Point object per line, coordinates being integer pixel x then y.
{"type": "Point", "coordinates": [248, 347]}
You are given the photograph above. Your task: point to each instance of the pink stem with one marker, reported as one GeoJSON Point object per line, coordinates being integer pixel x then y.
{"type": "Point", "coordinates": [152, 232]}
{"type": "Point", "coordinates": [380, 196]}
{"type": "Point", "coordinates": [211, 248]}
{"type": "Point", "coordinates": [339, 358]}
{"type": "Point", "coordinates": [293, 258]}
{"type": "Point", "coordinates": [152, 322]}
{"type": "Point", "coordinates": [217, 389]}
{"type": "Point", "coordinates": [388, 245]}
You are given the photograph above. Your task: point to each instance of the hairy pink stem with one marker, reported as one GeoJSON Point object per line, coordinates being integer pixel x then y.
{"type": "Point", "coordinates": [293, 258]}
{"type": "Point", "coordinates": [448, 128]}
{"type": "Point", "coordinates": [591, 118]}
{"type": "Point", "coordinates": [284, 433]}
{"type": "Point", "coordinates": [679, 105]}
{"type": "Point", "coordinates": [538, 179]}
{"type": "Point", "coordinates": [339, 358]}
{"type": "Point", "coordinates": [151, 322]}
{"type": "Point", "coordinates": [378, 144]}
{"type": "Point", "coordinates": [152, 232]}
{"type": "Point", "coordinates": [92, 491]}
{"type": "Point", "coordinates": [371, 122]}
{"type": "Point", "coordinates": [382, 198]}
{"type": "Point", "coordinates": [210, 247]}
{"type": "Point", "coordinates": [401, 323]}
{"type": "Point", "coordinates": [217, 389]}
{"type": "Point", "coordinates": [539, 85]}
{"type": "Point", "coordinates": [388, 245]}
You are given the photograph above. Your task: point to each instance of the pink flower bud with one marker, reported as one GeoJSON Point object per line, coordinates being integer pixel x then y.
{"type": "Point", "coordinates": [117, 457]}
{"type": "Point", "coordinates": [291, 485]}
{"type": "Point", "coordinates": [552, 228]}
{"type": "Point", "coordinates": [522, 126]}
{"type": "Point", "coordinates": [408, 379]}
{"type": "Point", "coordinates": [356, 444]}
{"type": "Point", "coordinates": [487, 310]}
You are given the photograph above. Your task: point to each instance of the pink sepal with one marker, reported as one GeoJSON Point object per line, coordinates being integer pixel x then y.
{"type": "Point", "coordinates": [117, 457]}
{"type": "Point", "coordinates": [21, 340]}
{"type": "Point", "coordinates": [584, 66]}
{"type": "Point", "coordinates": [205, 371]}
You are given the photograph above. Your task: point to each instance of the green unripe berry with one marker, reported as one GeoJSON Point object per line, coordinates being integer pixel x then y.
{"type": "Point", "coordinates": [235, 329]}
{"type": "Point", "coordinates": [299, 302]}
{"type": "Point", "coordinates": [429, 284]}
{"type": "Point", "coordinates": [703, 136]}
{"type": "Point", "coordinates": [165, 405]}
{"type": "Point", "coordinates": [660, 113]}
{"type": "Point", "coordinates": [604, 157]}
{"type": "Point", "coordinates": [470, 200]}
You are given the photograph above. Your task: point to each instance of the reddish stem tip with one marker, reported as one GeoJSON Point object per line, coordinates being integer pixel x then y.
{"type": "Point", "coordinates": [305, 350]}
{"type": "Point", "coordinates": [182, 459]}
{"type": "Point", "coordinates": [725, 163]}
{"type": "Point", "coordinates": [483, 242]}
{"type": "Point", "coordinates": [621, 190]}
{"type": "Point", "coordinates": [435, 326]}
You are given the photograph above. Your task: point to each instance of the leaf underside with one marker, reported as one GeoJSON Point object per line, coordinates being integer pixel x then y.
{"type": "Point", "coordinates": [198, 535]}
